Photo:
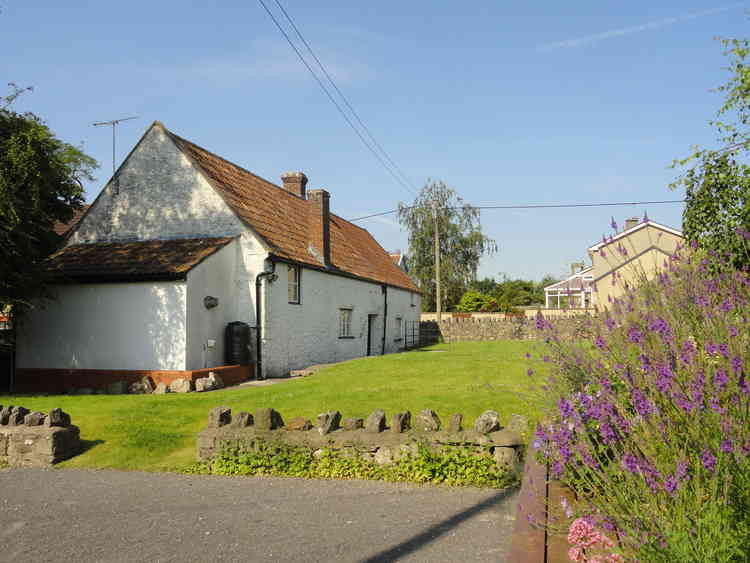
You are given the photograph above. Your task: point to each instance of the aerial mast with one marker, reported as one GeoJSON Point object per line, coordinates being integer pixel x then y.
{"type": "Point", "coordinates": [114, 123]}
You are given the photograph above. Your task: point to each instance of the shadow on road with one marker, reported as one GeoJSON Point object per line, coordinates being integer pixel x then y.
{"type": "Point", "coordinates": [433, 532]}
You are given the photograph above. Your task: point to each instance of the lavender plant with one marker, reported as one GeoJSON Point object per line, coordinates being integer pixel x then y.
{"type": "Point", "coordinates": [652, 421]}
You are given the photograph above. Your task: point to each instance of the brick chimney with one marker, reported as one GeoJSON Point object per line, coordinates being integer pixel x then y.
{"type": "Point", "coordinates": [576, 267]}
{"type": "Point", "coordinates": [320, 223]}
{"type": "Point", "coordinates": [294, 183]}
{"type": "Point", "coordinates": [631, 222]}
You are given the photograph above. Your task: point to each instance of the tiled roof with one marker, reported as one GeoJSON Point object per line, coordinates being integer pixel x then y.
{"type": "Point", "coordinates": [63, 228]}
{"type": "Point", "coordinates": [285, 221]}
{"type": "Point", "coordinates": [142, 260]}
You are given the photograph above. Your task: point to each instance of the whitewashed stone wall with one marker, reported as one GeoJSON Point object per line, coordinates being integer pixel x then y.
{"type": "Point", "coordinates": [107, 326]}
{"type": "Point", "coordinates": [304, 334]}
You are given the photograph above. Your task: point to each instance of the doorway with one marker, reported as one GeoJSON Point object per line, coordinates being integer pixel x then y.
{"type": "Point", "coordinates": [370, 333]}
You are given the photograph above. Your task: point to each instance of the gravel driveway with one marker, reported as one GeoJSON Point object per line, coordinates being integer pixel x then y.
{"type": "Point", "coordinates": [80, 515]}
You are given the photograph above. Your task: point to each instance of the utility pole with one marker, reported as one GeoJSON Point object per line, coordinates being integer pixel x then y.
{"type": "Point", "coordinates": [438, 304]}
{"type": "Point", "coordinates": [113, 123]}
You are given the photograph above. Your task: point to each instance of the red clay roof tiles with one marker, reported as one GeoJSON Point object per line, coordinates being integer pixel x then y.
{"type": "Point", "coordinates": [284, 220]}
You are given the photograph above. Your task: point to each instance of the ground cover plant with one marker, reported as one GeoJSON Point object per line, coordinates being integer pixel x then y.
{"type": "Point", "coordinates": [158, 432]}
{"type": "Point", "coordinates": [652, 421]}
{"type": "Point", "coordinates": [447, 467]}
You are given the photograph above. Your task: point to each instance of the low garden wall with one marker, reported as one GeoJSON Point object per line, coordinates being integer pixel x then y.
{"type": "Point", "coordinates": [35, 439]}
{"type": "Point", "coordinates": [459, 329]}
{"type": "Point", "coordinates": [32, 380]}
{"type": "Point", "coordinates": [371, 439]}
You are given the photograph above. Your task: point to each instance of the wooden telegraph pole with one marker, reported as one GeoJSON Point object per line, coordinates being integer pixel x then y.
{"type": "Point", "coordinates": [438, 303]}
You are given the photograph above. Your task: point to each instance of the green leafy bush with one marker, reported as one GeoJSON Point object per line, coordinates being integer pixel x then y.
{"type": "Point", "coordinates": [451, 466]}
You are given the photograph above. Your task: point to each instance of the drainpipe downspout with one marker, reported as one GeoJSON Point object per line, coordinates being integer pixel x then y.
{"type": "Point", "coordinates": [385, 316]}
{"type": "Point", "coordinates": [258, 323]}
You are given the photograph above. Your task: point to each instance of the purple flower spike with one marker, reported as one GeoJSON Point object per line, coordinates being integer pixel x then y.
{"type": "Point", "coordinates": [613, 224]}
{"type": "Point", "coordinates": [670, 485]}
{"type": "Point", "coordinates": [721, 379]}
{"type": "Point", "coordinates": [709, 460]}
{"type": "Point", "coordinates": [726, 446]}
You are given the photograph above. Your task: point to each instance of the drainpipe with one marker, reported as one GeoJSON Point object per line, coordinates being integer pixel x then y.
{"type": "Point", "coordinates": [385, 315]}
{"type": "Point", "coordinates": [258, 324]}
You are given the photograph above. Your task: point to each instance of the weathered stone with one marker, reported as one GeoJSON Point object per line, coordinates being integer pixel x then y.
{"type": "Point", "coordinates": [427, 421]}
{"type": "Point", "coordinates": [299, 423]}
{"type": "Point", "coordinates": [488, 421]}
{"type": "Point", "coordinates": [268, 419]}
{"type": "Point", "coordinates": [181, 385]}
{"type": "Point", "coordinates": [85, 391]}
{"type": "Point", "coordinates": [455, 424]}
{"type": "Point", "coordinates": [301, 373]}
{"type": "Point", "coordinates": [136, 388]}
{"type": "Point", "coordinates": [117, 388]}
{"type": "Point", "coordinates": [353, 423]}
{"type": "Point", "coordinates": [57, 417]}
{"type": "Point", "coordinates": [219, 416]}
{"type": "Point", "coordinates": [35, 418]}
{"type": "Point", "coordinates": [505, 458]}
{"type": "Point", "coordinates": [161, 388]}
{"type": "Point", "coordinates": [328, 421]}
{"type": "Point", "coordinates": [383, 456]}
{"type": "Point", "coordinates": [241, 419]}
{"type": "Point", "coordinates": [216, 381]}
{"type": "Point", "coordinates": [203, 384]}
{"type": "Point", "coordinates": [506, 438]}
{"type": "Point", "coordinates": [148, 387]}
{"type": "Point", "coordinates": [375, 422]}
{"type": "Point", "coordinates": [518, 423]}
{"type": "Point", "coordinates": [5, 414]}
{"type": "Point", "coordinates": [17, 416]}
{"type": "Point", "coordinates": [401, 422]}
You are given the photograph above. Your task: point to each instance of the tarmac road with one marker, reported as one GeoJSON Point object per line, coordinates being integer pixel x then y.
{"type": "Point", "coordinates": [80, 516]}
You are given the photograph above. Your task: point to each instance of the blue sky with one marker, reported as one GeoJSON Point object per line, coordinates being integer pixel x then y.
{"type": "Point", "coordinates": [508, 103]}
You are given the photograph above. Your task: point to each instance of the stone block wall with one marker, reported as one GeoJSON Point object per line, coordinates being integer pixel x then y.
{"type": "Point", "coordinates": [372, 438]}
{"type": "Point", "coordinates": [35, 439]}
{"type": "Point", "coordinates": [485, 329]}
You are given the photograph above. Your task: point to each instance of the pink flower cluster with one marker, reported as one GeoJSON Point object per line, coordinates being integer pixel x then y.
{"type": "Point", "coordinates": [582, 536]}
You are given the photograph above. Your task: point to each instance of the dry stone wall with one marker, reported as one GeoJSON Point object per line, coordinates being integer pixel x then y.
{"type": "Point", "coordinates": [483, 329]}
{"type": "Point", "coordinates": [35, 439]}
{"type": "Point", "coordinates": [375, 438]}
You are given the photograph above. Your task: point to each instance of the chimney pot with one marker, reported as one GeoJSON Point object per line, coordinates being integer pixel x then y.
{"type": "Point", "coordinates": [631, 222]}
{"type": "Point", "coordinates": [295, 183]}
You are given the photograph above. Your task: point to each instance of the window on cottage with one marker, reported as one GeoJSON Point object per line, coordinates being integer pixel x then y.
{"type": "Point", "coordinates": [399, 326]}
{"type": "Point", "coordinates": [345, 323]}
{"type": "Point", "coordinates": [293, 284]}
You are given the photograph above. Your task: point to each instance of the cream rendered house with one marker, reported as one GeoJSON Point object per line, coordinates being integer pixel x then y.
{"type": "Point", "coordinates": [624, 259]}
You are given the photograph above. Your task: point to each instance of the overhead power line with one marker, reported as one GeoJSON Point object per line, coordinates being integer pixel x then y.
{"type": "Point", "coordinates": [343, 97]}
{"type": "Point", "coordinates": [380, 159]}
{"type": "Point", "coordinates": [533, 206]}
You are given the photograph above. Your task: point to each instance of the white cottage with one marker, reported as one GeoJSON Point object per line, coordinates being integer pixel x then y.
{"type": "Point", "coordinates": [179, 244]}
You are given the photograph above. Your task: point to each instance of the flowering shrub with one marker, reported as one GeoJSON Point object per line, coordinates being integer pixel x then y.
{"type": "Point", "coordinates": [585, 539]}
{"type": "Point", "coordinates": [652, 421]}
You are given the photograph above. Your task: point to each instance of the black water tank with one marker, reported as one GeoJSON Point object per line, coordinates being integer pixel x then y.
{"type": "Point", "coordinates": [236, 342]}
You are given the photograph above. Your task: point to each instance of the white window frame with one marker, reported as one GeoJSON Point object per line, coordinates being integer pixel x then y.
{"type": "Point", "coordinates": [345, 322]}
{"type": "Point", "coordinates": [399, 329]}
{"type": "Point", "coordinates": [293, 289]}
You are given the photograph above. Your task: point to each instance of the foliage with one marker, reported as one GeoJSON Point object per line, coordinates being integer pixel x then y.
{"type": "Point", "coordinates": [717, 186]}
{"type": "Point", "coordinates": [488, 295]}
{"type": "Point", "coordinates": [40, 183]}
{"type": "Point", "coordinates": [474, 302]}
{"type": "Point", "coordinates": [157, 432]}
{"type": "Point", "coordinates": [462, 243]}
{"type": "Point", "coordinates": [652, 425]}
{"type": "Point", "coordinates": [453, 466]}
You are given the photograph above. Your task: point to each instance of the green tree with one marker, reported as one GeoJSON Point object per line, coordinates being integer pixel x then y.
{"type": "Point", "coordinates": [40, 183]}
{"type": "Point", "coordinates": [462, 242]}
{"type": "Point", "coordinates": [717, 182]}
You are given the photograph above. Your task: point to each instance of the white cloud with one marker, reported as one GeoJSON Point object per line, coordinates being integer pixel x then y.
{"type": "Point", "coordinates": [648, 26]}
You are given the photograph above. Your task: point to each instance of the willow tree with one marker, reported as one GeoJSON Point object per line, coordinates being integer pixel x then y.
{"type": "Point", "coordinates": [461, 242]}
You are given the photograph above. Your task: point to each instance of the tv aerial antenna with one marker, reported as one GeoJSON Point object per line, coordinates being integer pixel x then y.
{"type": "Point", "coordinates": [114, 123]}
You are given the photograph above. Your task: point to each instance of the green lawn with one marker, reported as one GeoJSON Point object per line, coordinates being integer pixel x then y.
{"type": "Point", "coordinates": [157, 432]}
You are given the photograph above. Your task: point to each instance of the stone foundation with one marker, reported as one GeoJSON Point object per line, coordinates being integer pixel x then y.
{"type": "Point", "coordinates": [33, 439]}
